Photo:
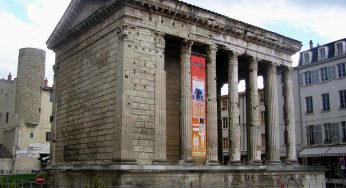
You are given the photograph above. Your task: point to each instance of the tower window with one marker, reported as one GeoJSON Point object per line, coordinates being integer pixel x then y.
{"type": "Point", "coordinates": [7, 114]}
{"type": "Point", "coordinates": [31, 135]}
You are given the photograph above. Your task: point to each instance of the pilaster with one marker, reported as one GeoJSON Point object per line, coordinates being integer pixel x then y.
{"type": "Point", "coordinates": [233, 110]}
{"type": "Point", "coordinates": [124, 151]}
{"type": "Point", "coordinates": [212, 137]}
{"type": "Point", "coordinates": [160, 101]}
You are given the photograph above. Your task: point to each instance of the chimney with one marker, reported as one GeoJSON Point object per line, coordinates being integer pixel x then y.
{"type": "Point", "coordinates": [46, 82]}
{"type": "Point", "coordinates": [311, 44]}
{"type": "Point", "coordinates": [9, 77]}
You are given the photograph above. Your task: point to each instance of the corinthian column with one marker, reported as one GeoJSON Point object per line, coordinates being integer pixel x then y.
{"type": "Point", "coordinates": [289, 117]}
{"type": "Point", "coordinates": [160, 101]}
{"type": "Point", "coordinates": [272, 113]}
{"type": "Point", "coordinates": [233, 110]}
{"type": "Point", "coordinates": [253, 129]}
{"type": "Point", "coordinates": [186, 103]}
{"type": "Point", "coordinates": [212, 154]}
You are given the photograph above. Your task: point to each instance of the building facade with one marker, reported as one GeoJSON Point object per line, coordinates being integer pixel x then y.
{"type": "Point", "coordinates": [25, 110]}
{"type": "Point", "coordinates": [137, 86]}
{"type": "Point", "coordinates": [320, 93]}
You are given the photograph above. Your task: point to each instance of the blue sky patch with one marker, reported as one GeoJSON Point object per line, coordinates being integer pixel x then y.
{"type": "Point", "coordinates": [16, 7]}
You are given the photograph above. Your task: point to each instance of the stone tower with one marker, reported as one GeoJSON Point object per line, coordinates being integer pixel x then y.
{"type": "Point", "coordinates": [30, 76]}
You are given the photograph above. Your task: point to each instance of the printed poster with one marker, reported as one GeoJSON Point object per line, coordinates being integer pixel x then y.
{"type": "Point", "coordinates": [198, 84]}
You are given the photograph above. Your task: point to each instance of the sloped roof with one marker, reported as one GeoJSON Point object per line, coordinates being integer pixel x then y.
{"type": "Point", "coordinates": [67, 28]}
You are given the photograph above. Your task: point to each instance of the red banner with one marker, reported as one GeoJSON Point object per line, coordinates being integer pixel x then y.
{"type": "Point", "coordinates": [198, 82]}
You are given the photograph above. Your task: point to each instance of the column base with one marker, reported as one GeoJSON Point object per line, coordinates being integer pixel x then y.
{"type": "Point", "coordinates": [211, 163]}
{"type": "Point", "coordinates": [186, 162]}
{"type": "Point", "coordinates": [125, 162]}
{"type": "Point", "coordinates": [255, 163]}
{"type": "Point", "coordinates": [234, 163]}
{"type": "Point", "coordinates": [160, 162]}
{"type": "Point", "coordinates": [292, 162]}
{"type": "Point", "coordinates": [273, 162]}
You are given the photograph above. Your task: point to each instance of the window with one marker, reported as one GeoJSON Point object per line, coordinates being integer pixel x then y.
{"type": "Point", "coordinates": [341, 70]}
{"type": "Point", "coordinates": [31, 135]}
{"type": "Point", "coordinates": [7, 114]}
{"type": "Point", "coordinates": [225, 143]}
{"type": "Point", "coordinates": [48, 136]}
{"type": "Point", "coordinates": [307, 77]}
{"type": "Point", "coordinates": [322, 54]}
{"type": "Point", "coordinates": [225, 123]}
{"type": "Point", "coordinates": [339, 48]}
{"type": "Point", "coordinates": [224, 105]}
{"type": "Point", "coordinates": [331, 133]}
{"type": "Point", "coordinates": [325, 102]}
{"type": "Point", "coordinates": [343, 131]}
{"type": "Point", "coordinates": [342, 94]}
{"type": "Point", "coordinates": [314, 134]}
{"type": "Point", "coordinates": [39, 110]}
{"type": "Point", "coordinates": [309, 105]}
{"type": "Point", "coordinates": [261, 98]}
{"type": "Point", "coordinates": [306, 58]}
{"type": "Point", "coordinates": [324, 74]}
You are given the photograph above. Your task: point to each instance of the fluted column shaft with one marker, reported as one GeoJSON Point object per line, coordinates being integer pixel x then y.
{"type": "Point", "coordinates": [160, 101]}
{"type": "Point", "coordinates": [290, 126]}
{"type": "Point", "coordinates": [253, 129]}
{"type": "Point", "coordinates": [186, 103]}
{"type": "Point", "coordinates": [272, 116]}
{"type": "Point", "coordinates": [233, 110]}
{"type": "Point", "coordinates": [212, 151]}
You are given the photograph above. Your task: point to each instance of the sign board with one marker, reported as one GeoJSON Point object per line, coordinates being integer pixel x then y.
{"type": "Point", "coordinates": [39, 179]}
{"type": "Point", "coordinates": [198, 87]}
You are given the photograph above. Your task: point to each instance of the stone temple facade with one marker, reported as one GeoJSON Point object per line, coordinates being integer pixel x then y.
{"type": "Point", "coordinates": [125, 110]}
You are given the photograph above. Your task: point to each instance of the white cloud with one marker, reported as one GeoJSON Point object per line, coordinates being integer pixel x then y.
{"type": "Point", "coordinates": [16, 34]}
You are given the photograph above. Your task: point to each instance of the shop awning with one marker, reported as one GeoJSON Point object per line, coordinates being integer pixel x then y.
{"type": "Point", "coordinates": [336, 151]}
{"type": "Point", "coordinates": [314, 152]}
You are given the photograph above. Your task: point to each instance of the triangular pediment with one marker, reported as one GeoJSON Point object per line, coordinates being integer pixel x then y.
{"type": "Point", "coordinates": [76, 13]}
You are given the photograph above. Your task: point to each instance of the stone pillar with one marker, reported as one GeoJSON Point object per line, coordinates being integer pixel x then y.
{"type": "Point", "coordinates": [123, 148]}
{"type": "Point", "coordinates": [272, 116]}
{"type": "Point", "coordinates": [212, 137]}
{"type": "Point", "coordinates": [233, 110]}
{"type": "Point", "coordinates": [160, 101]}
{"type": "Point", "coordinates": [186, 103]}
{"type": "Point", "coordinates": [253, 129]}
{"type": "Point", "coordinates": [290, 126]}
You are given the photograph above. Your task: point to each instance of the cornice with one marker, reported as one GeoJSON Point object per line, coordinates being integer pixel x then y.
{"type": "Point", "coordinates": [181, 11]}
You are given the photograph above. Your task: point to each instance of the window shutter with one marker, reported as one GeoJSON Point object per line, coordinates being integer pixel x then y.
{"type": "Point", "coordinates": [301, 80]}
{"type": "Point", "coordinates": [335, 133]}
{"type": "Point", "coordinates": [308, 135]}
{"type": "Point", "coordinates": [318, 134]}
{"type": "Point", "coordinates": [332, 71]}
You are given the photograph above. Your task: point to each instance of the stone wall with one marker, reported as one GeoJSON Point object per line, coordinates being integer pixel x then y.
{"type": "Point", "coordinates": [191, 177]}
{"type": "Point", "coordinates": [86, 97]}
{"type": "Point", "coordinates": [30, 76]}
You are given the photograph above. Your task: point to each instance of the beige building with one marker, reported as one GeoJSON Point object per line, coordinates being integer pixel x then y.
{"type": "Point", "coordinates": [25, 110]}
{"type": "Point", "coordinates": [320, 96]}
{"type": "Point", "coordinates": [137, 86]}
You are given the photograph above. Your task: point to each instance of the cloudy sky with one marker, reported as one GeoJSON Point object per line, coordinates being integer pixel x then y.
{"type": "Point", "coordinates": [29, 23]}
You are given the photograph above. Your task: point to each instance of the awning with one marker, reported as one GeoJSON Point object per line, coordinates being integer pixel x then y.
{"type": "Point", "coordinates": [314, 152]}
{"type": "Point", "coordinates": [336, 151]}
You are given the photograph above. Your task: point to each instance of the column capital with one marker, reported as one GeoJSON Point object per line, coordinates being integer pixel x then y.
{"type": "Point", "coordinates": [271, 68]}
{"type": "Point", "coordinates": [253, 64]}
{"type": "Point", "coordinates": [233, 57]}
{"type": "Point", "coordinates": [212, 49]}
{"type": "Point", "coordinates": [186, 45]}
{"type": "Point", "coordinates": [159, 39]}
